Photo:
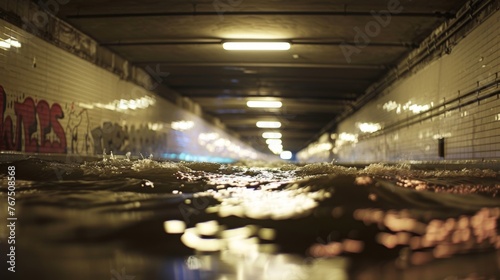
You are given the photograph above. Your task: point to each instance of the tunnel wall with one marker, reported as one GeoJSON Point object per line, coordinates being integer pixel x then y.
{"type": "Point", "coordinates": [53, 102]}
{"type": "Point", "coordinates": [448, 109]}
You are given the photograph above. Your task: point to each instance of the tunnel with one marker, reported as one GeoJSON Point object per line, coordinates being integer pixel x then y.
{"type": "Point", "coordinates": [249, 139]}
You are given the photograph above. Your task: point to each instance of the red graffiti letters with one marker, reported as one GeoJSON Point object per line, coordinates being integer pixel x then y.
{"type": "Point", "coordinates": [37, 127]}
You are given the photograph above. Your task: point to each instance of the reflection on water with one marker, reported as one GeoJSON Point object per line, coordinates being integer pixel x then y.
{"type": "Point", "coordinates": [144, 219]}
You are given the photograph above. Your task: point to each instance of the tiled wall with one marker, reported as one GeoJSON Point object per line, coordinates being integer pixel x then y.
{"type": "Point", "coordinates": [418, 110]}
{"type": "Point", "coordinates": [470, 132]}
{"type": "Point", "coordinates": [52, 101]}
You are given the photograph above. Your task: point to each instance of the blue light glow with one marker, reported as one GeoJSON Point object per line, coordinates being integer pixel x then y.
{"type": "Point", "coordinates": [198, 158]}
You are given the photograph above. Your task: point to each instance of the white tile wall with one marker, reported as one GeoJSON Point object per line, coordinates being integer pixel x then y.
{"type": "Point", "coordinates": [471, 132]}
{"type": "Point", "coordinates": [76, 85]}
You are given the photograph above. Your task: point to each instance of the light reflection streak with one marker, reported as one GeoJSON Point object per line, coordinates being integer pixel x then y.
{"type": "Point", "coordinates": [319, 150]}
{"type": "Point", "coordinates": [10, 42]}
{"type": "Point", "coordinates": [421, 235]}
{"type": "Point", "coordinates": [408, 106]}
{"type": "Point", "coordinates": [369, 127]}
{"type": "Point", "coordinates": [445, 238]}
{"type": "Point", "coordinates": [345, 137]}
{"type": "Point", "coordinates": [250, 265]}
{"type": "Point", "coordinates": [182, 125]}
{"type": "Point", "coordinates": [121, 105]}
{"type": "Point", "coordinates": [441, 135]}
{"type": "Point", "coordinates": [259, 196]}
{"type": "Point", "coordinates": [242, 255]}
{"type": "Point", "coordinates": [215, 143]}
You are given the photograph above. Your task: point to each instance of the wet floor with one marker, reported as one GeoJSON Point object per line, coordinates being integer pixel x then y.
{"type": "Point", "coordinates": [146, 219]}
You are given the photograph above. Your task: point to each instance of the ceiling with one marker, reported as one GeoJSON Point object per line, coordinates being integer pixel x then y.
{"type": "Point", "coordinates": [317, 80]}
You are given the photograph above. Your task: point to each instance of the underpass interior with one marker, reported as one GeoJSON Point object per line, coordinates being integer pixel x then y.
{"type": "Point", "coordinates": [136, 144]}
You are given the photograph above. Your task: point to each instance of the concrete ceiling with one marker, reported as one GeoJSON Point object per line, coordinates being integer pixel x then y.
{"type": "Point", "coordinates": [317, 79]}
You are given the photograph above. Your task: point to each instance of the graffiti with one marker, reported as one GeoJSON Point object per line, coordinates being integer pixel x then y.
{"type": "Point", "coordinates": [112, 137]}
{"type": "Point", "coordinates": [109, 137]}
{"type": "Point", "coordinates": [37, 128]}
{"type": "Point", "coordinates": [80, 143]}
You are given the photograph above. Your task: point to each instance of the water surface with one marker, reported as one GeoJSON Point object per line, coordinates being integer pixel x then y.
{"type": "Point", "coordinates": [146, 219]}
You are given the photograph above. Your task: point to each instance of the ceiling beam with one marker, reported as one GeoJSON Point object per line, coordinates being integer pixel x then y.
{"type": "Point", "coordinates": [282, 116]}
{"type": "Point", "coordinates": [258, 13]}
{"type": "Point", "coordinates": [332, 98]}
{"type": "Point", "coordinates": [251, 122]}
{"type": "Point", "coordinates": [288, 143]}
{"type": "Point", "coordinates": [241, 74]}
{"type": "Point", "coordinates": [239, 86]}
{"type": "Point", "coordinates": [322, 114]}
{"type": "Point", "coordinates": [290, 134]}
{"type": "Point", "coordinates": [203, 41]}
{"type": "Point", "coordinates": [258, 131]}
{"type": "Point", "coordinates": [328, 93]}
{"type": "Point", "coordinates": [208, 102]}
{"type": "Point", "coordinates": [261, 81]}
{"type": "Point", "coordinates": [377, 67]}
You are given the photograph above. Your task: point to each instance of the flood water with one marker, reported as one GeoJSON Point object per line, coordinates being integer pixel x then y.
{"type": "Point", "coordinates": [126, 219]}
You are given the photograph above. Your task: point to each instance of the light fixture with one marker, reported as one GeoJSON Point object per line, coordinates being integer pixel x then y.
{"type": "Point", "coordinates": [256, 46]}
{"type": "Point", "coordinates": [276, 141]}
{"type": "Point", "coordinates": [286, 155]}
{"type": "Point", "coordinates": [276, 148]}
{"type": "Point", "coordinates": [274, 135]}
{"type": "Point", "coordinates": [264, 104]}
{"type": "Point", "coordinates": [268, 124]}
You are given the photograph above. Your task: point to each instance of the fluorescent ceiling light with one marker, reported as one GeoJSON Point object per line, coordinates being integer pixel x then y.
{"type": "Point", "coordinates": [273, 141]}
{"type": "Point", "coordinates": [286, 155]}
{"type": "Point", "coordinates": [268, 124]}
{"type": "Point", "coordinates": [274, 135]}
{"type": "Point", "coordinates": [275, 146]}
{"type": "Point", "coordinates": [264, 104]}
{"type": "Point", "coordinates": [256, 46]}
{"type": "Point", "coordinates": [276, 149]}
